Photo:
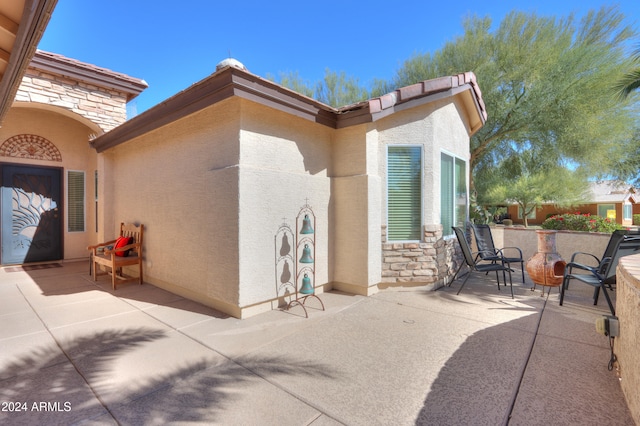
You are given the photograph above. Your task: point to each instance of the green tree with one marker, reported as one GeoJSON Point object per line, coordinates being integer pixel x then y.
{"type": "Point", "coordinates": [560, 186]}
{"type": "Point", "coordinates": [630, 82]}
{"type": "Point", "coordinates": [337, 89]}
{"type": "Point", "coordinates": [546, 83]}
{"type": "Point", "coordinates": [293, 81]}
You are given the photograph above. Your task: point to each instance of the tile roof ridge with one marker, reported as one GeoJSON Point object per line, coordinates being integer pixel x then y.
{"type": "Point", "coordinates": [424, 88]}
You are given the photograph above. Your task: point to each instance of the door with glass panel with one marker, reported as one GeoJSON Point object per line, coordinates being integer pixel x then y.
{"type": "Point", "coordinates": [31, 214]}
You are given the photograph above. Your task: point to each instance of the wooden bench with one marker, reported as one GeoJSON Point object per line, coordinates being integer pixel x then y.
{"type": "Point", "coordinates": [126, 250]}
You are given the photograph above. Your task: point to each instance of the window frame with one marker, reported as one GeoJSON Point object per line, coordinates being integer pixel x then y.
{"type": "Point", "coordinates": [420, 227]}
{"type": "Point", "coordinates": [627, 211]}
{"type": "Point", "coordinates": [533, 215]}
{"type": "Point", "coordinates": [455, 160]}
{"type": "Point", "coordinates": [612, 205]}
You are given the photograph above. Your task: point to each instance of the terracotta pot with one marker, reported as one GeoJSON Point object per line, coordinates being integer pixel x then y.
{"type": "Point", "coordinates": [546, 267]}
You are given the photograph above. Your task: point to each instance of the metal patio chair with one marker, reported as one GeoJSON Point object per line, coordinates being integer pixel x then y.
{"type": "Point", "coordinates": [488, 251]}
{"type": "Point", "coordinates": [587, 259]}
{"type": "Point", "coordinates": [605, 272]}
{"type": "Point", "coordinates": [476, 264]}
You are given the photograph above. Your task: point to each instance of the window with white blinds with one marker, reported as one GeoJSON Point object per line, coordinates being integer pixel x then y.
{"type": "Point", "coordinates": [453, 192]}
{"type": "Point", "coordinates": [404, 193]}
{"type": "Point", "coordinates": [75, 201]}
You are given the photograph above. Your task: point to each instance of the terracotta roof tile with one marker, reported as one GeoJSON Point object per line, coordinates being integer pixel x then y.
{"type": "Point", "coordinates": [424, 88]}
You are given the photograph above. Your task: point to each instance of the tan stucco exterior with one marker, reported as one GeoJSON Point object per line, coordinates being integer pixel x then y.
{"type": "Point", "coordinates": [213, 187]}
{"type": "Point", "coordinates": [59, 106]}
{"type": "Point", "coordinates": [627, 343]}
{"type": "Point", "coordinates": [70, 138]}
{"type": "Point", "coordinates": [214, 173]}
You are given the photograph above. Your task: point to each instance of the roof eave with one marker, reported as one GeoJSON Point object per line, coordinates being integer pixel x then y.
{"type": "Point", "coordinates": [34, 21]}
{"type": "Point", "coordinates": [222, 84]}
{"type": "Point", "coordinates": [231, 81]}
{"type": "Point", "coordinates": [87, 73]}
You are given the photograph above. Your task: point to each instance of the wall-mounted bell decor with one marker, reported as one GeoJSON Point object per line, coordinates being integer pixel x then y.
{"type": "Point", "coordinates": [306, 255]}
{"type": "Point", "coordinates": [306, 288]}
{"type": "Point", "coordinates": [307, 228]}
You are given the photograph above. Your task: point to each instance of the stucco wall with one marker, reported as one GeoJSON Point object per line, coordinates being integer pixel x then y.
{"type": "Point", "coordinates": [284, 164]}
{"type": "Point", "coordinates": [212, 190]}
{"type": "Point", "coordinates": [439, 127]}
{"type": "Point", "coordinates": [627, 344]}
{"type": "Point", "coordinates": [355, 210]}
{"type": "Point", "coordinates": [181, 181]}
{"type": "Point", "coordinates": [567, 243]}
{"type": "Point", "coordinates": [71, 138]}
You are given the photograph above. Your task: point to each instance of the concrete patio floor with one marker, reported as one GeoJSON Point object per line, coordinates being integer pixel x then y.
{"type": "Point", "coordinates": [75, 352]}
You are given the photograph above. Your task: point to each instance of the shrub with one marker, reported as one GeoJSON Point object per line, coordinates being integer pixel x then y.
{"type": "Point", "coordinates": [580, 222]}
{"type": "Point", "coordinates": [636, 219]}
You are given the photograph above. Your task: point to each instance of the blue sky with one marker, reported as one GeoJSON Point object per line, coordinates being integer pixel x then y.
{"type": "Point", "coordinates": [172, 45]}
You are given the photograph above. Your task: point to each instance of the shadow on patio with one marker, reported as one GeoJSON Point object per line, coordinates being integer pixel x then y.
{"type": "Point", "coordinates": [87, 379]}
{"type": "Point", "coordinates": [403, 356]}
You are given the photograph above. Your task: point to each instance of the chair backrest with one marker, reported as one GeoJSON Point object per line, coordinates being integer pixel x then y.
{"type": "Point", "coordinates": [626, 246]}
{"type": "Point", "coordinates": [484, 239]}
{"type": "Point", "coordinates": [464, 245]}
{"type": "Point", "coordinates": [615, 239]}
{"type": "Point", "coordinates": [134, 231]}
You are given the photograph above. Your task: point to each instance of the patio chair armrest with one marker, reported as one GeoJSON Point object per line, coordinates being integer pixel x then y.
{"type": "Point", "coordinates": [123, 248]}
{"type": "Point", "coordinates": [487, 253]}
{"type": "Point", "coordinates": [568, 270]}
{"type": "Point", "coordinates": [96, 246]}
{"type": "Point", "coordinates": [503, 249]}
{"type": "Point", "coordinates": [582, 253]}
{"type": "Point", "coordinates": [490, 255]}
{"type": "Point", "coordinates": [596, 270]}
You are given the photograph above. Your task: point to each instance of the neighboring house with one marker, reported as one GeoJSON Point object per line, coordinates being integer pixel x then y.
{"type": "Point", "coordinates": [614, 199]}
{"type": "Point", "coordinates": [216, 170]}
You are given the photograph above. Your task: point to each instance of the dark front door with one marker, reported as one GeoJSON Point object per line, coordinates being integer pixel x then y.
{"type": "Point", "coordinates": [31, 214]}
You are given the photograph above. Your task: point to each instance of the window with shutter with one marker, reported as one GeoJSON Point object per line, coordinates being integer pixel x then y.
{"type": "Point", "coordinates": [75, 201]}
{"type": "Point", "coordinates": [404, 193]}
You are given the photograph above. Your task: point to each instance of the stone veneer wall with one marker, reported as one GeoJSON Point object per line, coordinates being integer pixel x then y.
{"type": "Point", "coordinates": [626, 345]}
{"type": "Point", "coordinates": [106, 108]}
{"type": "Point", "coordinates": [430, 262]}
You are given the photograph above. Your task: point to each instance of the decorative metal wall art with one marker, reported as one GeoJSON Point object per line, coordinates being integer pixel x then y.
{"type": "Point", "coordinates": [295, 260]}
{"type": "Point", "coordinates": [306, 253]}
{"type": "Point", "coordinates": [33, 147]}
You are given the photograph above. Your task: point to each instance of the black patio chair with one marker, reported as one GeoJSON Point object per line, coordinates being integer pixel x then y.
{"type": "Point", "coordinates": [587, 265]}
{"type": "Point", "coordinates": [488, 251]}
{"type": "Point", "coordinates": [604, 272]}
{"type": "Point", "coordinates": [479, 266]}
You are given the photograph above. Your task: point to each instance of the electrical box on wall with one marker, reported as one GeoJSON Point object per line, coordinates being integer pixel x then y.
{"type": "Point", "coordinates": [608, 325]}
